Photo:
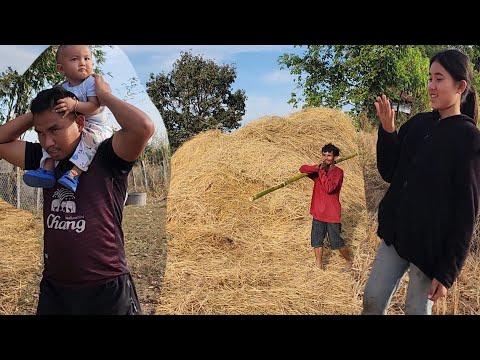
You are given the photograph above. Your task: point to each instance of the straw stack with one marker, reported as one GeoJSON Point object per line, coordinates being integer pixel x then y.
{"type": "Point", "coordinates": [228, 255]}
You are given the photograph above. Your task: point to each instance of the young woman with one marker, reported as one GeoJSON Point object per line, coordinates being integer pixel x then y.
{"type": "Point", "coordinates": [427, 216]}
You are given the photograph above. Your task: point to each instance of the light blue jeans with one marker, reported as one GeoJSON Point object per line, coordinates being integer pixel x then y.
{"type": "Point", "coordinates": [387, 271]}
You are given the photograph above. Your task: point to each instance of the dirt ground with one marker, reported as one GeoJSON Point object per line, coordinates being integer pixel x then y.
{"type": "Point", "coordinates": [146, 248]}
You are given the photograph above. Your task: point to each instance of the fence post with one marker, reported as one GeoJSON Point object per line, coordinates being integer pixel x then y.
{"type": "Point", "coordinates": [18, 186]}
{"type": "Point", "coordinates": [134, 180]}
{"type": "Point", "coordinates": [142, 164]}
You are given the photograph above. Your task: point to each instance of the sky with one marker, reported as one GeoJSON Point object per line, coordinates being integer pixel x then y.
{"type": "Point", "coordinates": [267, 88]}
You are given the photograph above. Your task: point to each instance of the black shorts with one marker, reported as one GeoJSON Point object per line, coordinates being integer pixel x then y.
{"type": "Point", "coordinates": [116, 297]}
{"type": "Point", "coordinates": [320, 229]}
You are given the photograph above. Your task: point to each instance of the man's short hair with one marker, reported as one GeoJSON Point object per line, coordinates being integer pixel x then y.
{"type": "Point", "coordinates": [331, 148]}
{"type": "Point", "coordinates": [47, 99]}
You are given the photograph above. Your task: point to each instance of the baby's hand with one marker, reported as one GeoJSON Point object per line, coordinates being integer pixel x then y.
{"type": "Point", "coordinates": [66, 105]}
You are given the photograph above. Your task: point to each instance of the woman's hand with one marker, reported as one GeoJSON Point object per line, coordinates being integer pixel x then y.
{"type": "Point", "coordinates": [437, 290]}
{"type": "Point", "coordinates": [385, 113]}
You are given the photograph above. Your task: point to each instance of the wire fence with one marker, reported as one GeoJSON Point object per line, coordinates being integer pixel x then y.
{"type": "Point", "coordinates": [14, 191]}
{"type": "Point", "coordinates": [148, 175]}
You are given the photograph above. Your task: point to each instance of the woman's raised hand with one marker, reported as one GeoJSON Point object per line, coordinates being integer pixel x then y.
{"type": "Point", "coordinates": [386, 113]}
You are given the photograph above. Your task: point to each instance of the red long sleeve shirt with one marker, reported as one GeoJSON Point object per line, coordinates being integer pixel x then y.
{"type": "Point", "coordinates": [325, 205]}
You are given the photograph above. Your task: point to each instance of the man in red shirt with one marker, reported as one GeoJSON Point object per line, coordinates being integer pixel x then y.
{"type": "Point", "coordinates": [325, 206]}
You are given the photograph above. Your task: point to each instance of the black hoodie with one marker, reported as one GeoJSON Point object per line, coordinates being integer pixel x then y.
{"type": "Point", "coordinates": [429, 211]}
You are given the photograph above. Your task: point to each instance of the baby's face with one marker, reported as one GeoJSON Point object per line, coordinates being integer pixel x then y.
{"type": "Point", "coordinates": [76, 63]}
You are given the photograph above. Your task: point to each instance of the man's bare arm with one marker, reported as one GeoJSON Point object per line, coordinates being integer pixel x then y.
{"type": "Point", "coordinates": [11, 149]}
{"type": "Point", "coordinates": [137, 127]}
{"type": "Point", "coordinates": [13, 129]}
{"type": "Point", "coordinates": [14, 153]}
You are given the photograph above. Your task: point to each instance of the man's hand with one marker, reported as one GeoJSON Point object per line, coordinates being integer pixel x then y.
{"type": "Point", "coordinates": [101, 87]}
{"type": "Point", "coordinates": [66, 105]}
{"type": "Point", "coordinates": [437, 290]}
{"type": "Point", "coordinates": [324, 166]}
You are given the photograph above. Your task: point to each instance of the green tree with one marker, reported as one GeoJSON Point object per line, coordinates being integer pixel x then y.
{"type": "Point", "coordinates": [195, 96]}
{"type": "Point", "coordinates": [473, 51]}
{"type": "Point", "coordinates": [339, 75]}
{"type": "Point", "coordinates": [16, 91]}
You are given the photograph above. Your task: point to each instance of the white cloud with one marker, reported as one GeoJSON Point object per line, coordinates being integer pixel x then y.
{"type": "Point", "coordinates": [278, 77]}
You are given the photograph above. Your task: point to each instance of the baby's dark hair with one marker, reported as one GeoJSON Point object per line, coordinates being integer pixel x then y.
{"type": "Point", "coordinates": [47, 99]}
{"type": "Point", "coordinates": [60, 50]}
{"type": "Point", "coordinates": [331, 148]}
{"type": "Point", "coordinates": [59, 53]}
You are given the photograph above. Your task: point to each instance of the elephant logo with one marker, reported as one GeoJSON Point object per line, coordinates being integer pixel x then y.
{"type": "Point", "coordinates": [56, 205]}
{"type": "Point", "coordinates": [63, 202]}
{"type": "Point", "coordinates": [69, 206]}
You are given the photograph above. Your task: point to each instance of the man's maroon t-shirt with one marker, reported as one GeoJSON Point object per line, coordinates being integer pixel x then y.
{"type": "Point", "coordinates": [83, 237]}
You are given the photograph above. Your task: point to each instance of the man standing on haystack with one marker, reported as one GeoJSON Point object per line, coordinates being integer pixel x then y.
{"type": "Point", "coordinates": [325, 206]}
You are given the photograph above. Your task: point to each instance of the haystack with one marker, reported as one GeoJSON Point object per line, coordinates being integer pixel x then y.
{"type": "Point", "coordinates": [20, 258]}
{"type": "Point", "coordinates": [228, 255]}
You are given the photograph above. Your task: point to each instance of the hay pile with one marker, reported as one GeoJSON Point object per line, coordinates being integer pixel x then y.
{"type": "Point", "coordinates": [20, 256]}
{"type": "Point", "coordinates": [228, 255]}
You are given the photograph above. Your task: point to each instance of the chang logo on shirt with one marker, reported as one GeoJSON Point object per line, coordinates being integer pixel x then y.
{"type": "Point", "coordinates": [54, 222]}
{"type": "Point", "coordinates": [63, 202]}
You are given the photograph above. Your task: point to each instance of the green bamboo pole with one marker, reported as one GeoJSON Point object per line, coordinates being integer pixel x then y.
{"type": "Point", "coordinates": [291, 180]}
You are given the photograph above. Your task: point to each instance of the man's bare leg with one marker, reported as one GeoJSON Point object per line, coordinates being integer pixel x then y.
{"type": "Point", "coordinates": [318, 257]}
{"type": "Point", "coordinates": [346, 254]}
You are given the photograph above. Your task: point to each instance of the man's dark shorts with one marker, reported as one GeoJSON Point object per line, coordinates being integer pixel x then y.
{"type": "Point", "coordinates": [320, 228]}
{"type": "Point", "coordinates": [116, 297]}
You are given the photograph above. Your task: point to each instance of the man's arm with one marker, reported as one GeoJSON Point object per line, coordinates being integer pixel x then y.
{"type": "Point", "coordinates": [311, 170]}
{"type": "Point", "coordinates": [11, 149]}
{"type": "Point", "coordinates": [137, 127]}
